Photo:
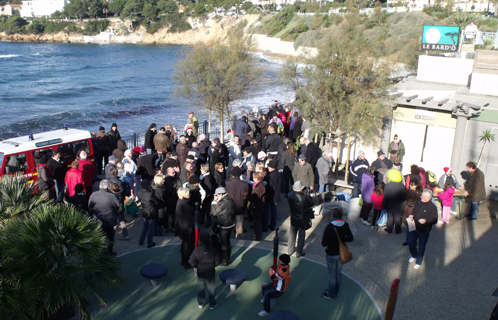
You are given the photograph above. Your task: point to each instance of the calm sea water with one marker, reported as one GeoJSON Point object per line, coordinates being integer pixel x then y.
{"type": "Point", "coordinates": [46, 85]}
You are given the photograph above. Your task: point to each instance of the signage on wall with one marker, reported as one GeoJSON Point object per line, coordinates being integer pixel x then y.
{"type": "Point", "coordinates": [440, 38]}
{"type": "Point", "coordinates": [423, 114]}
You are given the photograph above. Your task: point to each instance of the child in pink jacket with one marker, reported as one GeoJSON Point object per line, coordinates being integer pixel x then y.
{"type": "Point", "coordinates": [447, 199]}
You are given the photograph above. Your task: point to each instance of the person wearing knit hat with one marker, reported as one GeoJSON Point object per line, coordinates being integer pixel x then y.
{"type": "Point", "coordinates": [280, 282]}
{"type": "Point", "coordinates": [449, 178]}
{"type": "Point", "coordinates": [149, 138]}
{"type": "Point", "coordinates": [222, 211]}
{"type": "Point", "coordinates": [114, 136]}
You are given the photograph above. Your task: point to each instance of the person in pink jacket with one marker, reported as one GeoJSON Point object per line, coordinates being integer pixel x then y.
{"type": "Point", "coordinates": [447, 199]}
{"type": "Point", "coordinates": [73, 177]}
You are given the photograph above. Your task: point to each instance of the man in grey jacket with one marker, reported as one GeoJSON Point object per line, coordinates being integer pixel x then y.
{"type": "Point", "coordinates": [323, 166]}
{"type": "Point", "coordinates": [304, 172]}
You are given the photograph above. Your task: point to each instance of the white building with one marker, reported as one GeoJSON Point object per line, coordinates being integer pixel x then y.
{"type": "Point", "coordinates": [41, 8]}
{"type": "Point", "coordinates": [7, 9]}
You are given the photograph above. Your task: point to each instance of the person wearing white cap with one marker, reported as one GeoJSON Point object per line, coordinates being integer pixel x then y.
{"type": "Point", "coordinates": [357, 169]}
{"type": "Point", "coordinates": [223, 211]}
{"type": "Point", "coordinates": [299, 206]}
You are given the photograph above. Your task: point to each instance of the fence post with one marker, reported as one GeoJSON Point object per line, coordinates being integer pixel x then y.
{"type": "Point", "coordinates": [206, 129]}
{"type": "Point", "coordinates": [134, 139]}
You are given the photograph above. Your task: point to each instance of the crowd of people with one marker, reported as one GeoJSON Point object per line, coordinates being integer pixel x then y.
{"type": "Point", "coordinates": [178, 177]}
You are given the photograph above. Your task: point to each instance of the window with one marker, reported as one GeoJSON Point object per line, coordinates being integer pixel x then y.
{"type": "Point", "coordinates": [71, 150]}
{"type": "Point", "coordinates": [38, 154]}
{"type": "Point", "coordinates": [15, 163]}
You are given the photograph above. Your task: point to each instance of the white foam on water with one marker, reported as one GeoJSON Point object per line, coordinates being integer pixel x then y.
{"type": "Point", "coordinates": [8, 56]}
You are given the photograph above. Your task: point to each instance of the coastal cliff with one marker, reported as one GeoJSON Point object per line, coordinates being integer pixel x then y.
{"type": "Point", "coordinates": [203, 30]}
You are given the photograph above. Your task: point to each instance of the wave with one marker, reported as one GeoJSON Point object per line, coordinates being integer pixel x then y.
{"type": "Point", "coordinates": [8, 56]}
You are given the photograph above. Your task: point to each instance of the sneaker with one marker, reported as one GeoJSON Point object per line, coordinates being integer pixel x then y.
{"type": "Point", "coordinates": [201, 306]}
{"type": "Point", "coordinates": [325, 294]}
{"type": "Point", "coordinates": [440, 222]}
{"type": "Point", "coordinates": [152, 245]}
{"type": "Point", "coordinates": [411, 259]}
{"type": "Point", "coordinates": [125, 238]}
{"type": "Point", "coordinates": [453, 213]}
{"type": "Point", "coordinates": [301, 255]}
{"type": "Point", "coordinates": [213, 307]}
{"type": "Point", "coordinates": [262, 300]}
{"type": "Point", "coordinates": [416, 266]}
{"type": "Point", "coordinates": [263, 313]}
{"type": "Point", "coordinates": [365, 222]}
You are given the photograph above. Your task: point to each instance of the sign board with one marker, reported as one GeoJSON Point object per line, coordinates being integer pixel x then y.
{"type": "Point", "coordinates": [424, 114]}
{"type": "Point", "coordinates": [440, 38]}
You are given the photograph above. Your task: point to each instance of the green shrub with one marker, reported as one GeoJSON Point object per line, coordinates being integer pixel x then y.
{"type": "Point", "coordinates": [95, 26]}
{"type": "Point", "coordinates": [247, 6]}
{"type": "Point", "coordinates": [279, 21]}
{"type": "Point", "coordinates": [179, 27]}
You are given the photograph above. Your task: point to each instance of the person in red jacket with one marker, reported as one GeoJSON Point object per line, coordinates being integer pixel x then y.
{"type": "Point", "coordinates": [88, 170]}
{"type": "Point", "coordinates": [73, 177]}
{"type": "Point", "coordinates": [377, 200]}
{"type": "Point", "coordinates": [280, 281]}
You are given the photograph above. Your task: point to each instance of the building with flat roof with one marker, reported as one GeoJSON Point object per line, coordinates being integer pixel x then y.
{"type": "Point", "coordinates": [41, 8]}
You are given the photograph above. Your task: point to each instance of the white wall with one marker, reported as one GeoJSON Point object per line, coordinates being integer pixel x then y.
{"type": "Point", "coordinates": [275, 45]}
{"type": "Point", "coordinates": [484, 83]}
{"type": "Point", "coordinates": [41, 8]}
{"type": "Point", "coordinates": [444, 70]}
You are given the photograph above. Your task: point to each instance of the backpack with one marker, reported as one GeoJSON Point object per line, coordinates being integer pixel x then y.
{"type": "Point", "coordinates": [382, 221]}
{"type": "Point", "coordinates": [431, 178]}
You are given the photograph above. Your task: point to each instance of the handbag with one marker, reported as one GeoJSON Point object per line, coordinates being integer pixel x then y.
{"type": "Point", "coordinates": [345, 254]}
{"type": "Point", "coordinates": [382, 221]}
{"type": "Point", "coordinates": [307, 224]}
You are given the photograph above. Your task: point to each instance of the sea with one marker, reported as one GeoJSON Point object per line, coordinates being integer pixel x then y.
{"type": "Point", "coordinates": [44, 86]}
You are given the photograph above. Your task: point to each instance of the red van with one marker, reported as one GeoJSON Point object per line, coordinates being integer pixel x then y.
{"type": "Point", "coordinates": [22, 154]}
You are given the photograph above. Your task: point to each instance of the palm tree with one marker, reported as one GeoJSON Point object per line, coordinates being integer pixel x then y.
{"type": "Point", "coordinates": [18, 196]}
{"type": "Point", "coordinates": [487, 137]}
{"type": "Point", "coordinates": [46, 258]}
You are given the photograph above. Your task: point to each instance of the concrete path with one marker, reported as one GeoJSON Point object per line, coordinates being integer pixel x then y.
{"type": "Point", "coordinates": [456, 280]}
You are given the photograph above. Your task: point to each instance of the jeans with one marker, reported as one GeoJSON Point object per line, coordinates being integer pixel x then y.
{"type": "Point", "coordinates": [356, 189]}
{"type": "Point", "coordinates": [148, 230]}
{"type": "Point", "coordinates": [422, 238]}
{"type": "Point", "coordinates": [269, 293]}
{"type": "Point", "coordinates": [59, 190]}
{"type": "Point", "coordinates": [271, 215]}
{"type": "Point", "coordinates": [208, 284]}
{"type": "Point", "coordinates": [160, 159]}
{"type": "Point", "coordinates": [291, 243]}
{"type": "Point", "coordinates": [393, 221]}
{"type": "Point", "coordinates": [239, 226]}
{"type": "Point", "coordinates": [109, 233]}
{"type": "Point", "coordinates": [335, 275]}
{"type": "Point", "coordinates": [473, 210]}
{"type": "Point", "coordinates": [323, 188]}
{"type": "Point", "coordinates": [226, 246]}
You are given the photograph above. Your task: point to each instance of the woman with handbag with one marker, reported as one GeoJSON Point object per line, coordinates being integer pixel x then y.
{"type": "Point", "coordinates": [334, 238]}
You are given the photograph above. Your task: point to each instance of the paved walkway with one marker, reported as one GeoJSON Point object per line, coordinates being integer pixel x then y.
{"type": "Point", "coordinates": [456, 280]}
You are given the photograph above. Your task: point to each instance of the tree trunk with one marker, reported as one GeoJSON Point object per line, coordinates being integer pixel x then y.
{"type": "Point", "coordinates": [222, 131]}
{"type": "Point", "coordinates": [347, 159]}
{"type": "Point", "coordinates": [209, 126]}
{"type": "Point", "coordinates": [480, 155]}
{"type": "Point", "coordinates": [337, 159]}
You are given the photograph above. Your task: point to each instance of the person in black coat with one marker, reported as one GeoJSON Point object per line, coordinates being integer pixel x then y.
{"type": "Point", "coordinates": [79, 200]}
{"type": "Point", "coordinates": [223, 211]}
{"type": "Point", "coordinates": [272, 196]}
{"type": "Point", "coordinates": [58, 168]}
{"type": "Point", "coordinates": [336, 228]}
{"type": "Point", "coordinates": [185, 219]}
{"type": "Point", "coordinates": [394, 196]}
{"type": "Point", "coordinates": [238, 190]}
{"type": "Point", "coordinates": [149, 213]}
{"type": "Point", "coordinates": [171, 186]}
{"type": "Point", "coordinates": [215, 157]}
{"type": "Point", "coordinates": [146, 166]}
{"type": "Point", "coordinates": [299, 206]}
{"type": "Point", "coordinates": [149, 138]}
{"type": "Point", "coordinates": [159, 191]}
{"type": "Point", "coordinates": [209, 185]}
{"type": "Point", "coordinates": [204, 144]}
{"type": "Point", "coordinates": [205, 258]}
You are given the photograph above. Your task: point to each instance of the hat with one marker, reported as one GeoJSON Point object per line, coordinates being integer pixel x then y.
{"type": "Point", "coordinates": [127, 153]}
{"type": "Point", "coordinates": [272, 164]}
{"type": "Point", "coordinates": [276, 101]}
{"type": "Point", "coordinates": [397, 162]}
{"type": "Point", "coordinates": [394, 175]}
{"type": "Point", "coordinates": [182, 139]}
{"type": "Point", "coordinates": [136, 149]}
{"type": "Point", "coordinates": [302, 157]}
{"type": "Point", "coordinates": [261, 154]}
{"type": "Point", "coordinates": [193, 179]}
{"type": "Point", "coordinates": [113, 158]}
{"type": "Point", "coordinates": [145, 184]}
{"type": "Point", "coordinates": [446, 169]}
{"type": "Point", "coordinates": [380, 153]}
{"type": "Point", "coordinates": [205, 238]}
{"type": "Point", "coordinates": [361, 152]}
{"type": "Point", "coordinates": [189, 129]}
{"type": "Point", "coordinates": [285, 258]}
{"type": "Point", "coordinates": [236, 172]}
{"type": "Point", "coordinates": [101, 128]}
{"type": "Point", "coordinates": [298, 186]}
{"type": "Point", "coordinates": [190, 157]}
{"type": "Point", "coordinates": [114, 125]}
{"type": "Point", "coordinates": [220, 190]}
{"type": "Point", "coordinates": [174, 154]}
